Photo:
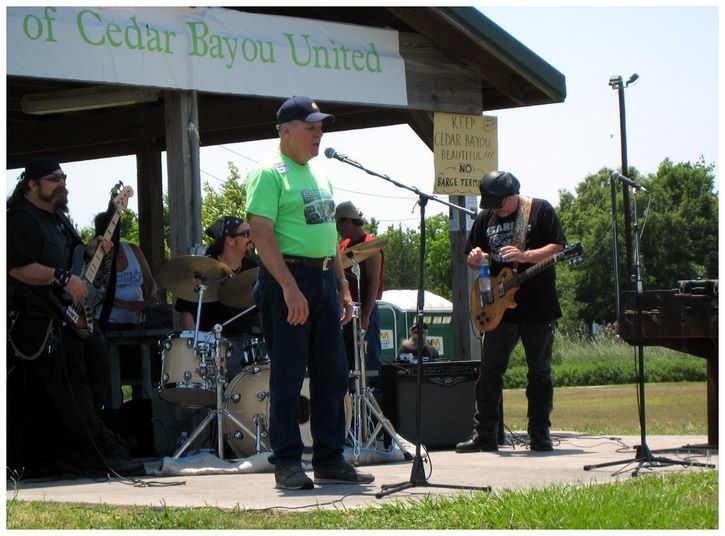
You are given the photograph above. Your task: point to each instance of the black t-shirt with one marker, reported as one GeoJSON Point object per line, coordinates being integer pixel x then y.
{"type": "Point", "coordinates": [536, 298]}
{"type": "Point", "coordinates": [37, 236]}
{"type": "Point", "coordinates": [218, 313]}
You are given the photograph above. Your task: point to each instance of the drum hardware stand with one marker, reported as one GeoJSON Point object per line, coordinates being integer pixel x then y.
{"type": "Point", "coordinates": [258, 424]}
{"type": "Point", "coordinates": [363, 401]}
{"type": "Point", "coordinates": [200, 288]}
{"type": "Point", "coordinates": [417, 476]}
{"type": "Point", "coordinates": [217, 378]}
{"type": "Point", "coordinates": [643, 455]}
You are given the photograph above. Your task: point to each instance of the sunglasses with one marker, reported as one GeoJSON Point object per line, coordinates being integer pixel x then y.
{"type": "Point", "coordinates": [245, 234]}
{"type": "Point", "coordinates": [55, 178]}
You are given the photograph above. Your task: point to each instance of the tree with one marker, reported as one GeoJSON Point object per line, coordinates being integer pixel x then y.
{"type": "Point", "coordinates": [438, 256]}
{"type": "Point", "coordinates": [587, 291]}
{"type": "Point", "coordinates": [678, 224]}
{"type": "Point", "coordinates": [401, 258]}
{"type": "Point", "coordinates": [680, 232]}
{"type": "Point", "coordinates": [230, 200]}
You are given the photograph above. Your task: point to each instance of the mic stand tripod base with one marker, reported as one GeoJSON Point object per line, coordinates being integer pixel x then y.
{"type": "Point", "coordinates": [643, 457]}
{"type": "Point", "coordinates": [419, 480]}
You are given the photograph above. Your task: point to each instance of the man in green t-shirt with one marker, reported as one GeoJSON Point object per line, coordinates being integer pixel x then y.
{"type": "Point", "coordinates": [303, 299]}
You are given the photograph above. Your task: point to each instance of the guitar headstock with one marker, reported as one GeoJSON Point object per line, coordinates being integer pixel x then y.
{"type": "Point", "coordinates": [572, 253]}
{"type": "Point", "coordinates": [120, 195]}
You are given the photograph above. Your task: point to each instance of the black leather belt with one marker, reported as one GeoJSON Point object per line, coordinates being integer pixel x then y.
{"type": "Point", "coordinates": [325, 263]}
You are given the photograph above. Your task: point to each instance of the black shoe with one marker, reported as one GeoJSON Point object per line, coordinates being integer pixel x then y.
{"type": "Point", "coordinates": [341, 473]}
{"type": "Point", "coordinates": [292, 477]}
{"type": "Point", "coordinates": [478, 443]}
{"type": "Point", "coordinates": [540, 441]}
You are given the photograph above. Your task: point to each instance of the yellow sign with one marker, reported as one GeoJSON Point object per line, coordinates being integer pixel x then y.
{"type": "Point", "coordinates": [386, 339]}
{"type": "Point", "coordinates": [464, 148]}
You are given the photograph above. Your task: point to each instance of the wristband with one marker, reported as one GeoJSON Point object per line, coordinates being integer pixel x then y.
{"type": "Point", "coordinates": [61, 277]}
{"type": "Point", "coordinates": [343, 281]}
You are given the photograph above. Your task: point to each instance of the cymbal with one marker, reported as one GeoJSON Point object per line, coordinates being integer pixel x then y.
{"type": "Point", "coordinates": [237, 290]}
{"type": "Point", "coordinates": [182, 275]}
{"type": "Point", "coordinates": [362, 251]}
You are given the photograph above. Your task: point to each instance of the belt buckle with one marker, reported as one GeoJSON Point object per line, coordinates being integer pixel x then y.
{"type": "Point", "coordinates": [325, 262]}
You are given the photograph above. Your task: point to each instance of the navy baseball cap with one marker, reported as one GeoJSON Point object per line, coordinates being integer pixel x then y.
{"type": "Point", "coordinates": [301, 108]}
{"type": "Point", "coordinates": [495, 186]}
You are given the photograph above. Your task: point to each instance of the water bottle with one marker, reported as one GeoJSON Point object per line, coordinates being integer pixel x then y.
{"type": "Point", "coordinates": [484, 283]}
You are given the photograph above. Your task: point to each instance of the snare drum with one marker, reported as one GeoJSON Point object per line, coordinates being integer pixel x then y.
{"type": "Point", "coordinates": [247, 399]}
{"type": "Point", "coordinates": [182, 380]}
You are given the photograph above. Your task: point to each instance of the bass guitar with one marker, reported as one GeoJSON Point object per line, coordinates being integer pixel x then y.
{"type": "Point", "coordinates": [79, 316]}
{"type": "Point", "coordinates": [487, 311]}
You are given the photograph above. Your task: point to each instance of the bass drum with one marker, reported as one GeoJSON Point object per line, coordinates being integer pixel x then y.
{"type": "Point", "coordinates": [247, 399]}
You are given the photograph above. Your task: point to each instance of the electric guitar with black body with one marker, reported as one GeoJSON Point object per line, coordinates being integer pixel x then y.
{"type": "Point", "coordinates": [79, 316]}
{"type": "Point", "coordinates": [486, 312]}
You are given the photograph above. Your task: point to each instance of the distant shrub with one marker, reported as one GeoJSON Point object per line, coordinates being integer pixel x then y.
{"type": "Point", "coordinates": [607, 361]}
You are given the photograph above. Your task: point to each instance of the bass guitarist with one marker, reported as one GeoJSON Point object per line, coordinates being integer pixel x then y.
{"type": "Point", "coordinates": [47, 358]}
{"type": "Point", "coordinates": [513, 231]}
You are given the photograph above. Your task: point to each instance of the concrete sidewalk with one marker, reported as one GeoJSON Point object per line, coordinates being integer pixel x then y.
{"type": "Point", "coordinates": [510, 467]}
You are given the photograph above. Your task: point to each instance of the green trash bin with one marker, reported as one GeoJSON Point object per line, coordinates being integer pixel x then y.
{"type": "Point", "coordinates": [398, 311]}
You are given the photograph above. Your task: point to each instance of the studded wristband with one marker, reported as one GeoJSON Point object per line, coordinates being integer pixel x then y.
{"type": "Point", "coordinates": [61, 277]}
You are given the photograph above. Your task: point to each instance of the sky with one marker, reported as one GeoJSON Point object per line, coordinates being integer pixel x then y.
{"type": "Point", "coordinates": [671, 112]}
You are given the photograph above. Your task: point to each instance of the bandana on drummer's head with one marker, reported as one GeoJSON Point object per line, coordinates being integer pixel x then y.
{"type": "Point", "coordinates": [224, 226]}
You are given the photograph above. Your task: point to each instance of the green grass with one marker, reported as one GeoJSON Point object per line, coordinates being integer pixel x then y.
{"type": "Point", "coordinates": [672, 501]}
{"type": "Point", "coordinates": [671, 409]}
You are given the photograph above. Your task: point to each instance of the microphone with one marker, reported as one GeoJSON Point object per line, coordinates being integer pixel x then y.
{"type": "Point", "coordinates": [629, 182]}
{"type": "Point", "coordinates": [332, 153]}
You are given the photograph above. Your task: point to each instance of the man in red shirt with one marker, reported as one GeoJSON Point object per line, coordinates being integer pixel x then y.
{"type": "Point", "coordinates": [349, 221]}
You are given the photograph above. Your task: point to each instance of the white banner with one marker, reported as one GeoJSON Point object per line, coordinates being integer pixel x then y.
{"type": "Point", "coordinates": [208, 49]}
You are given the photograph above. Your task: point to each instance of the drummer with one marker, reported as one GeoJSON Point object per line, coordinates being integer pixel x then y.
{"type": "Point", "coordinates": [232, 246]}
{"type": "Point", "coordinates": [350, 221]}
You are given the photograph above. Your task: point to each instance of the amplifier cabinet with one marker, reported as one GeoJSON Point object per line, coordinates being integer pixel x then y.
{"type": "Point", "coordinates": [447, 400]}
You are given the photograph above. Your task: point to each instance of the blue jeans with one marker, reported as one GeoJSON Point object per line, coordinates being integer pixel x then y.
{"type": "Point", "coordinates": [316, 346]}
{"type": "Point", "coordinates": [537, 339]}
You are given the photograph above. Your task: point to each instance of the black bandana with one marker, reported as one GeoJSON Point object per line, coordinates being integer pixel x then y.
{"type": "Point", "coordinates": [40, 166]}
{"type": "Point", "coordinates": [224, 226]}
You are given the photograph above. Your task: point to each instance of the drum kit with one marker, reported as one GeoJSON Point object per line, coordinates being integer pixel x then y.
{"type": "Point", "coordinates": [194, 370]}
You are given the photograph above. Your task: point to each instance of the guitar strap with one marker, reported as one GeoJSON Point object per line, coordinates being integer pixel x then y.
{"type": "Point", "coordinates": [521, 225]}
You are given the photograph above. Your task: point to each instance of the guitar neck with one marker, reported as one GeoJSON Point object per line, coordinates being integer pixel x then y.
{"type": "Point", "coordinates": [95, 263]}
{"type": "Point", "coordinates": [516, 280]}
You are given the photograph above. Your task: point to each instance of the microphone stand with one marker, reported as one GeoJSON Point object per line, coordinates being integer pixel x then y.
{"type": "Point", "coordinates": [643, 455]}
{"type": "Point", "coordinates": [417, 476]}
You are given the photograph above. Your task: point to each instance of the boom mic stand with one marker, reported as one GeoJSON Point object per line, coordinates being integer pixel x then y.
{"type": "Point", "coordinates": [417, 476]}
{"type": "Point", "coordinates": [643, 455]}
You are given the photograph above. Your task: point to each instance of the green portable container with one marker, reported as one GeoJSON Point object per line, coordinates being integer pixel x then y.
{"type": "Point", "coordinates": [398, 309]}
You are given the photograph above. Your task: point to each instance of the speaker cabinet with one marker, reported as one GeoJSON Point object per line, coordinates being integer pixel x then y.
{"type": "Point", "coordinates": [447, 400]}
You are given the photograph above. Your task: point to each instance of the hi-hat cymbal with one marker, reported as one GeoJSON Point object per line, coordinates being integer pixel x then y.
{"type": "Point", "coordinates": [362, 251]}
{"type": "Point", "coordinates": [237, 291]}
{"type": "Point", "coordinates": [183, 274]}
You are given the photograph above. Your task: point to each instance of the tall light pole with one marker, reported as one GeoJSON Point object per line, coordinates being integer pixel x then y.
{"type": "Point", "coordinates": [619, 85]}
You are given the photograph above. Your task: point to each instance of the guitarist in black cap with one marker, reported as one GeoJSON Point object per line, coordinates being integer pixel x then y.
{"type": "Point", "coordinates": [44, 350]}
{"type": "Point", "coordinates": [516, 232]}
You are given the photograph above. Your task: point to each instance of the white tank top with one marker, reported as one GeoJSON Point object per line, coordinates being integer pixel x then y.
{"type": "Point", "coordinates": [128, 288]}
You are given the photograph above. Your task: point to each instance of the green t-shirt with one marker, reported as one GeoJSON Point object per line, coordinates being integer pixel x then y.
{"type": "Point", "coordinates": [299, 202]}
